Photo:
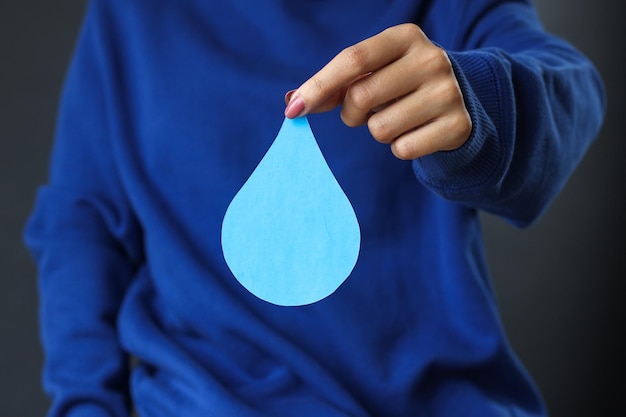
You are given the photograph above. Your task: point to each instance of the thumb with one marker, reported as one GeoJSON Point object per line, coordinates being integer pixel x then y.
{"type": "Point", "coordinates": [296, 106]}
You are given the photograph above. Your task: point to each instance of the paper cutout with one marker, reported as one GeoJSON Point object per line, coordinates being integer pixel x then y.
{"type": "Point", "coordinates": [290, 235]}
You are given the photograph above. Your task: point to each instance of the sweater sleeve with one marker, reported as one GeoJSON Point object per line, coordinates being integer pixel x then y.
{"type": "Point", "coordinates": [536, 105]}
{"type": "Point", "coordinates": [85, 242]}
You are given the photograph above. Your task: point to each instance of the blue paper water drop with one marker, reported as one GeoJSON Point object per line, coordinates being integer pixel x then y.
{"type": "Point", "coordinates": [290, 235]}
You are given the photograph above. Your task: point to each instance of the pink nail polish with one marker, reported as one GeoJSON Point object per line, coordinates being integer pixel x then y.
{"type": "Point", "coordinates": [288, 96]}
{"type": "Point", "coordinates": [295, 108]}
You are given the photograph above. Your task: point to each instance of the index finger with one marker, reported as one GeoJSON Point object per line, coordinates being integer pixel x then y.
{"type": "Point", "coordinates": [353, 62]}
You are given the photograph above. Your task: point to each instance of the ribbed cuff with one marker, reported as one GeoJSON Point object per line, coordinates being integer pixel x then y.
{"type": "Point", "coordinates": [481, 160]}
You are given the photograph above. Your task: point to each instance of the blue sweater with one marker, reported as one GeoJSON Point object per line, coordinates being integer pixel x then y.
{"type": "Point", "coordinates": [168, 107]}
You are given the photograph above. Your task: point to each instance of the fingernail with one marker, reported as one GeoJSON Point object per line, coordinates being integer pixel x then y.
{"type": "Point", "coordinates": [295, 108]}
{"type": "Point", "coordinates": [288, 96]}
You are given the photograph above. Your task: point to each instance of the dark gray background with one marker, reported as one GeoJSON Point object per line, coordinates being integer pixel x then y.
{"type": "Point", "coordinates": [559, 283]}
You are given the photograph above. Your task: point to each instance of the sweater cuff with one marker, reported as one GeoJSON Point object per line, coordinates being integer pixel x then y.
{"type": "Point", "coordinates": [477, 163]}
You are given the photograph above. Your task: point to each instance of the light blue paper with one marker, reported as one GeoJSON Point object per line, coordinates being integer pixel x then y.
{"type": "Point", "coordinates": [290, 235]}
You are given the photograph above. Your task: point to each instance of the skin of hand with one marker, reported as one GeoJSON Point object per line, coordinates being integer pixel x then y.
{"type": "Point", "coordinates": [398, 83]}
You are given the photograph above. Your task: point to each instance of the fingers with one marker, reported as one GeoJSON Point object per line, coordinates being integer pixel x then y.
{"type": "Point", "coordinates": [398, 83]}
{"type": "Point", "coordinates": [443, 134]}
{"type": "Point", "coordinates": [431, 100]}
{"type": "Point", "coordinates": [379, 90]}
{"type": "Point", "coordinates": [326, 86]}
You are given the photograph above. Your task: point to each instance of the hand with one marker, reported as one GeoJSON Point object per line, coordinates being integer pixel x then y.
{"type": "Point", "coordinates": [400, 84]}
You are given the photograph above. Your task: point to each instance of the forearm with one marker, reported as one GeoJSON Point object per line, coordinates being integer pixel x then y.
{"type": "Point", "coordinates": [82, 280]}
{"type": "Point", "coordinates": [536, 105]}
{"type": "Point", "coordinates": [85, 368]}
